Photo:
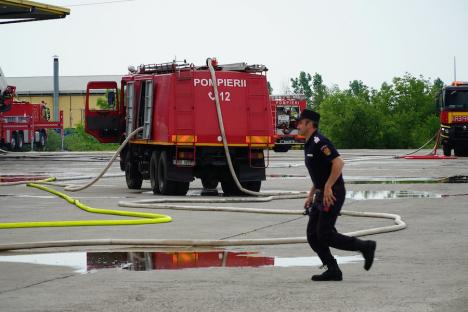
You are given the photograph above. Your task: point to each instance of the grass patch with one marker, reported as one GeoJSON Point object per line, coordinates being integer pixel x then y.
{"type": "Point", "coordinates": [77, 140]}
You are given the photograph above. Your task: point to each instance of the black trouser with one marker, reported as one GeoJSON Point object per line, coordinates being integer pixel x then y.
{"type": "Point", "coordinates": [321, 231]}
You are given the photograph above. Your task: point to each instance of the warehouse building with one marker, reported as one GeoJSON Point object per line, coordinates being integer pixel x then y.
{"type": "Point", "coordinates": [71, 96]}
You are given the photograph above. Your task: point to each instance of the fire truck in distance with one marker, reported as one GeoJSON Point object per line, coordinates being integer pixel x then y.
{"type": "Point", "coordinates": [286, 110]}
{"type": "Point", "coordinates": [23, 122]}
{"type": "Point", "coordinates": [453, 105]}
{"type": "Point", "coordinates": [175, 104]}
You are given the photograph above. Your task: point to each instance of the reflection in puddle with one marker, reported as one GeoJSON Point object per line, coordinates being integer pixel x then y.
{"type": "Point", "coordinates": [364, 195]}
{"type": "Point", "coordinates": [83, 262]}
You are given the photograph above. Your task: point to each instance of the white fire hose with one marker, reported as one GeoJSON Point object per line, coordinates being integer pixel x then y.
{"type": "Point", "coordinates": [162, 203]}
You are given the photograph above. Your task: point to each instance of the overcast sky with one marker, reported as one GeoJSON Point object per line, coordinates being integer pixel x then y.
{"type": "Point", "coordinates": [370, 40]}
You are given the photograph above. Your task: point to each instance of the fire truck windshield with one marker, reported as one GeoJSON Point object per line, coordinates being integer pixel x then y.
{"type": "Point", "coordinates": [456, 99]}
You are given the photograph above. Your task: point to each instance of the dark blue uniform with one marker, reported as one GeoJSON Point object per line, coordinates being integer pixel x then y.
{"type": "Point", "coordinates": [321, 232]}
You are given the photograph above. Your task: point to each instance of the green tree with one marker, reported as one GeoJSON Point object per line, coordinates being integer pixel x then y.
{"type": "Point", "coordinates": [319, 90]}
{"type": "Point", "coordinates": [302, 85]}
{"type": "Point", "coordinates": [350, 121]}
{"type": "Point", "coordinates": [312, 87]}
{"type": "Point", "coordinates": [408, 105]}
{"type": "Point", "coordinates": [398, 115]}
{"type": "Point", "coordinates": [358, 88]}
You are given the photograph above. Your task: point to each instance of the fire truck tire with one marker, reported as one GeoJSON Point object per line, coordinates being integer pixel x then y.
{"type": "Point", "coordinates": [123, 155]}
{"type": "Point", "coordinates": [230, 188]}
{"type": "Point", "coordinates": [132, 175]}
{"type": "Point", "coordinates": [168, 187]}
{"type": "Point", "coordinates": [460, 152]}
{"type": "Point", "coordinates": [14, 141]}
{"type": "Point", "coordinates": [182, 188]}
{"type": "Point", "coordinates": [209, 183]}
{"type": "Point", "coordinates": [252, 185]}
{"type": "Point", "coordinates": [281, 148]}
{"type": "Point", "coordinates": [447, 150]}
{"type": "Point", "coordinates": [154, 172]}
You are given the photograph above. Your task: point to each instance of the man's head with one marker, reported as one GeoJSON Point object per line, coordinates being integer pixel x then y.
{"type": "Point", "coordinates": [308, 122]}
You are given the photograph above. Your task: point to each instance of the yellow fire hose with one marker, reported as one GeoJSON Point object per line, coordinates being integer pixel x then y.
{"type": "Point", "coordinates": [147, 218]}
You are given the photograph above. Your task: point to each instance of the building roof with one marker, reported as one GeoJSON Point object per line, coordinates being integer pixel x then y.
{"type": "Point", "coordinates": [44, 85]}
{"type": "Point", "coordinates": [17, 11]}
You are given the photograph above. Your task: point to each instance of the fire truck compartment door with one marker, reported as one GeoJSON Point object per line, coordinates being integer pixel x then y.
{"type": "Point", "coordinates": [103, 115]}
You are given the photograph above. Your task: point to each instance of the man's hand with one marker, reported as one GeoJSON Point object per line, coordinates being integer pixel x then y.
{"type": "Point", "coordinates": [337, 167]}
{"type": "Point", "coordinates": [309, 201]}
{"type": "Point", "coordinates": [310, 198]}
{"type": "Point", "coordinates": [328, 197]}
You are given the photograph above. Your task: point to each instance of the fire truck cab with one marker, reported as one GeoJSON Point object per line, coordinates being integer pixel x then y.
{"type": "Point", "coordinates": [286, 110]}
{"type": "Point", "coordinates": [181, 140]}
{"type": "Point", "coordinates": [453, 106]}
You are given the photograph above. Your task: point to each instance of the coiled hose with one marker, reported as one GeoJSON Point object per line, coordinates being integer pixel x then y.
{"type": "Point", "coordinates": [160, 204]}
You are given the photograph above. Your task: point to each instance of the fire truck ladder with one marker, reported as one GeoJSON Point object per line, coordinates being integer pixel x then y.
{"type": "Point", "coordinates": [163, 68]}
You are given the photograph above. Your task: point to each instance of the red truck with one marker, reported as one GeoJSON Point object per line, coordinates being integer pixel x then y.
{"type": "Point", "coordinates": [285, 111]}
{"type": "Point", "coordinates": [453, 106]}
{"type": "Point", "coordinates": [23, 122]}
{"type": "Point", "coordinates": [175, 104]}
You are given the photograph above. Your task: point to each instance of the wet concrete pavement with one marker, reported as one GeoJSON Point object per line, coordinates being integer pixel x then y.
{"type": "Point", "coordinates": [422, 268]}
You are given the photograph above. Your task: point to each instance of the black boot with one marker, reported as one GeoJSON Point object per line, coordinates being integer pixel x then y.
{"type": "Point", "coordinates": [368, 253]}
{"type": "Point", "coordinates": [333, 273]}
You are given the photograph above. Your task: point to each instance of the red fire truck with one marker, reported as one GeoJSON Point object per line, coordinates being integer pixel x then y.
{"type": "Point", "coordinates": [286, 110]}
{"type": "Point", "coordinates": [453, 106]}
{"type": "Point", "coordinates": [175, 104]}
{"type": "Point", "coordinates": [23, 122]}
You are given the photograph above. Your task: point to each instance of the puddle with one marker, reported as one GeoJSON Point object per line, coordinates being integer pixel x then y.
{"type": "Point", "coordinates": [286, 176]}
{"type": "Point", "coordinates": [21, 177]}
{"type": "Point", "coordinates": [407, 180]}
{"type": "Point", "coordinates": [457, 179]}
{"type": "Point", "coordinates": [380, 180]}
{"type": "Point", "coordinates": [83, 262]}
{"type": "Point", "coordinates": [391, 180]}
{"type": "Point", "coordinates": [196, 193]}
{"type": "Point", "coordinates": [368, 195]}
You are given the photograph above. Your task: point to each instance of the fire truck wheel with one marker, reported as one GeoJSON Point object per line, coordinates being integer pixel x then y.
{"type": "Point", "coordinates": [230, 188]}
{"type": "Point", "coordinates": [123, 155]}
{"type": "Point", "coordinates": [281, 148]}
{"type": "Point", "coordinates": [447, 150]}
{"type": "Point", "coordinates": [167, 187]}
{"type": "Point", "coordinates": [132, 175]}
{"type": "Point", "coordinates": [460, 152]}
{"type": "Point", "coordinates": [154, 172]}
{"type": "Point", "coordinates": [209, 184]}
{"type": "Point", "coordinates": [14, 141]}
{"type": "Point", "coordinates": [252, 185]}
